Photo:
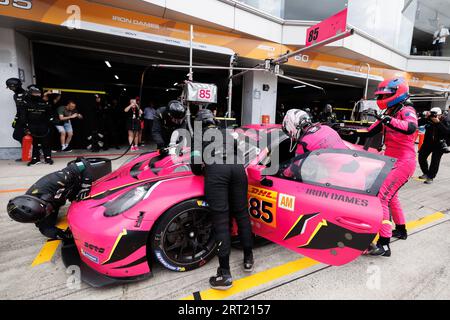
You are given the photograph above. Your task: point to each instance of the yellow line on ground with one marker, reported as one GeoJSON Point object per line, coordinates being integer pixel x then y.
{"type": "Point", "coordinates": [258, 279]}
{"type": "Point", "coordinates": [46, 253]}
{"type": "Point", "coordinates": [49, 248]}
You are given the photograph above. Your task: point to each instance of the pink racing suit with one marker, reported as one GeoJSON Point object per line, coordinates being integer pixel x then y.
{"type": "Point", "coordinates": [400, 137]}
{"type": "Point", "coordinates": [317, 137]}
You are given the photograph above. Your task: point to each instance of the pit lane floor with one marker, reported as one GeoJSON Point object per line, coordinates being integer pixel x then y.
{"type": "Point", "coordinates": [418, 269]}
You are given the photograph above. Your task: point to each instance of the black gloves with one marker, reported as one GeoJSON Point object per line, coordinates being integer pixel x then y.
{"type": "Point", "coordinates": [84, 192]}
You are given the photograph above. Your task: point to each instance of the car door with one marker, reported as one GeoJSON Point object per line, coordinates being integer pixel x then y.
{"type": "Point", "coordinates": [326, 208]}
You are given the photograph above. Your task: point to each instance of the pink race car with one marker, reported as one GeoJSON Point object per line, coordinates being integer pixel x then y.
{"type": "Point", "coordinates": [152, 209]}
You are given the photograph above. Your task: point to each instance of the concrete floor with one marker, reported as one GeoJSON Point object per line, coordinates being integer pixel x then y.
{"type": "Point", "coordinates": [418, 269]}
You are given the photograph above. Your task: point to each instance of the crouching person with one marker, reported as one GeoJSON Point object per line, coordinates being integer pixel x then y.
{"type": "Point", "coordinates": [42, 201]}
{"type": "Point", "coordinates": [225, 191]}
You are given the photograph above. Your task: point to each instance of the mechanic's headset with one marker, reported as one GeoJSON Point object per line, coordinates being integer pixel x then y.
{"type": "Point", "coordinates": [29, 209]}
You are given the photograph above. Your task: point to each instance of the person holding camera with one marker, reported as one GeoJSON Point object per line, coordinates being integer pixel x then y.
{"type": "Point", "coordinates": [134, 114]}
{"type": "Point", "coordinates": [437, 133]}
{"type": "Point", "coordinates": [20, 99]}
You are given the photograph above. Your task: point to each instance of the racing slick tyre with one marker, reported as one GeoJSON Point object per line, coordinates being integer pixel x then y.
{"type": "Point", "coordinates": [182, 238]}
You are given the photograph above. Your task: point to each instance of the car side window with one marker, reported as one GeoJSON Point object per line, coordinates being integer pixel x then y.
{"type": "Point", "coordinates": [353, 171]}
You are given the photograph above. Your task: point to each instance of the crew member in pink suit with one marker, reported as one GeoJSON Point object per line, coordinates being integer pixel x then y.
{"type": "Point", "coordinates": [308, 136]}
{"type": "Point", "coordinates": [398, 124]}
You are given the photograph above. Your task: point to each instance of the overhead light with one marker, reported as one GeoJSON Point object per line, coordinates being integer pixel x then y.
{"type": "Point", "coordinates": [299, 87]}
{"type": "Point", "coordinates": [108, 64]}
{"type": "Point", "coordinates": [175, 84]}
{"type": "Point", "coordinates": [124, 89]}
{"type": "Point", "coordinates": [116, 76]}
{"type": "Point", "coordinates": [160, 51]}
{"type": "Point", "coordinates": [336, 79]}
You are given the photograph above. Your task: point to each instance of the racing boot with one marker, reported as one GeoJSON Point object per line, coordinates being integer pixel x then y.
{"type": "Point", "coordinates": [400, 232]}
{"type": "Point", "coordinates": [248, 262]}
{"type": "Point", "coordinates": [381, 248]}
{"type": "Point", "coordinates": [222, 281]}
{"type": "Point", "coordinates": [33, 162]}
{"type": "Point", "coordinates": [49, 160]}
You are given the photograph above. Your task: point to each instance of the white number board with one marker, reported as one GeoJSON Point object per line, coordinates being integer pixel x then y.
{"type": "Point", "coordinates": [201, 92]}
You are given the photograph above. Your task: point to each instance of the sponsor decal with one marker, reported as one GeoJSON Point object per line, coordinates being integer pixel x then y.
{"type": "Point", "coordinates": [201, 203]}
{"type": "Point", "coordinates": [166, 264]}
{"type": "Point", "coordinates": [94, 248]}
{"type": "Point", "coordinates": [338, 197]}
{"type": "Point", "coordinates": [90, 256]}
{"type": "Point", "coordinates": [286, 201]}
{"type": "Point", "coordinates": [262, 205]}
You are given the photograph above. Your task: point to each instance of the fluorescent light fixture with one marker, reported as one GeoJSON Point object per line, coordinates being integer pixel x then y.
{"type": "Point", "coordinates": [108, 64]}
{"type": "Point", "coordinates": [299, 87]}
{"type": "Point", "coordinates": [116, 76]}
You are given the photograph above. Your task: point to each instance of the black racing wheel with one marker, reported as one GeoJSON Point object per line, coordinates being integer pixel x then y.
{"type": "Point", "coordinates": [182, 239]}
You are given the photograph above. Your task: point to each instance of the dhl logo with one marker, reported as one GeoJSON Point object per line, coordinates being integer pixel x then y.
{"type": "Point", "coordinates": [262, 193]}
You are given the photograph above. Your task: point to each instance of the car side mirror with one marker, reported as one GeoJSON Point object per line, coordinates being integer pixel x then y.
{"type": "Point", "coordinates": [256, 172]}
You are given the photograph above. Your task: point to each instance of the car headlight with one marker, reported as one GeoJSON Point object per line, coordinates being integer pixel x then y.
{"type": "Point", "coordinates": [126, 201]}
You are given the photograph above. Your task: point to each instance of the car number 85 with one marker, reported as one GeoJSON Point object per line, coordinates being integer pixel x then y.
{"type": "Point", "coordinates": [260, 209]}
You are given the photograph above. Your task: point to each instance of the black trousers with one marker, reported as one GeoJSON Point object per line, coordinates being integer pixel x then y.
{"type": "Point", "coordinates": [47, 225]}
{"type": "Point", "coordinates": [226, 193]}
{"type": "Point", "coordinates": [44, 143]}
{"type": "Point", "coordinates": [436, 155]}
{"type": "Point", "coordinates": [18, 133]}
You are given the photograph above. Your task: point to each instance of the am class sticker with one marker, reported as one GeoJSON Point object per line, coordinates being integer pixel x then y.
{"type": "Point", "coordinates": [286, 201]}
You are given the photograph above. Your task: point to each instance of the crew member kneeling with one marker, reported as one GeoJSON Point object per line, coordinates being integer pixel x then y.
{"type": "Point", "coordinates": [225, 190]}
{"type": "Point", "coordinates": [41, 202]}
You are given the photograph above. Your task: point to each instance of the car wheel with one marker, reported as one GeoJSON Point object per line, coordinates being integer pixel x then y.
{"type": "Point", "coordinates": [182, 238]}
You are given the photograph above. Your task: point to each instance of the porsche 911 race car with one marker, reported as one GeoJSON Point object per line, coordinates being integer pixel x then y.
{"type": "Point", "coordinates": [152, 209]}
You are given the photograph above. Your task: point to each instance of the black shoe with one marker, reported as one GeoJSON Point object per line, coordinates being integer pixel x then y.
{"type": "Point", "coordinates": [222, 281]}
{"type": "Point", "coordinates": [400, 232]}
{"type": "Point", "coordinates": [33, 162]}
{"type": "Point", "coordinates": [49, 161]}
{"type": "Point", "coordinates": [381, 248]}
{"type": "Point", "coordinates": [249, 263]}
{"type": "Point", "coordinates": [423, 177]}
{"type": "Point", "coordinates": [18, 160]}
{"type": "Point", "coordinates": [428, 181]}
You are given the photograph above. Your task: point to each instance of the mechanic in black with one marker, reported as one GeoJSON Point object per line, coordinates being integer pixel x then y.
{"type": "Point", "coordinates": [167, 120]}
{"type": "Point", "coordinates": [21, 99]}
{"type": "Point", "coordinates": [225, 190]}
{"type": "Point", "coordinates": [37, 122]}
{"type": "Point", "coordinates": [42, 201]}
{"type": "Point", "coordinates": [437, 135]}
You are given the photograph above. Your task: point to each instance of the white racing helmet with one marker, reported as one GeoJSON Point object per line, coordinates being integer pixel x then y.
{"type": "Point", "coordinates": [295, 123]}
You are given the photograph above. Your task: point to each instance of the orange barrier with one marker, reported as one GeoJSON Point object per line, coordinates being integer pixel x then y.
{"type": "Point", "coordinates": [421, 138]}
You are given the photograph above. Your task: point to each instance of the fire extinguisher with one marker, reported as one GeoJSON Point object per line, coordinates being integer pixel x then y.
{"type": "Point", "coordinates": [27, 147]}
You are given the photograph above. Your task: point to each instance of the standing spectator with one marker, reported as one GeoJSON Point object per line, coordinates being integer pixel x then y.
{"type": "Point", "coordinates": [36, 120]}
{"type": "Point", "coordinates": [133, 123]}
{"type": "Point", "coordinates": [437, 132]}
{"type": "Point", "coordinates": [21, 100]}
{"type": "Point", "coordinates": [66, 114]}
{"type": "Point", "coordinates": [149, 116]}
{"type": "Point", "coordinates": [440, 38]}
